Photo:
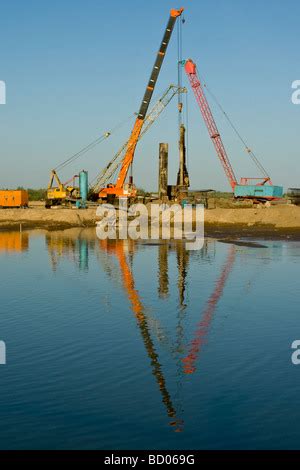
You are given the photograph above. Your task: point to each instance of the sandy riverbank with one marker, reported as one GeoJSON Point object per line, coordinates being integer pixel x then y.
{"type": "Point", "coordinates": [278, 221]}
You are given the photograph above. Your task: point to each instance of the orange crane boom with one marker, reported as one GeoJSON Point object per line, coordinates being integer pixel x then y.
{"type": "Point", "coordinates": [119, 189]}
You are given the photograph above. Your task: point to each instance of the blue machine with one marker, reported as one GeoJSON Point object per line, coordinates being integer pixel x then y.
{"type": "Point", "coordinates": [83, 187]}
{"type": "Point", "coordinates": [257, 192]}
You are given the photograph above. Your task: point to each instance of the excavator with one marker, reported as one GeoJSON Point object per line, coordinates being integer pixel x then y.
{"type": "Point", "coordinates": [121, 188]}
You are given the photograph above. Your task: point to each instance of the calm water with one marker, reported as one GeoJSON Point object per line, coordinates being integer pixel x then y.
{"type": "Point", "coordinates": [122, 346]}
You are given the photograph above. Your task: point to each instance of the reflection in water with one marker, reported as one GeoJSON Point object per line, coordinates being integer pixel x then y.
{"type": "Point", "coordinates": [117, 248]}
{"type": "Point", "coordinates": [120, 356]}
{"type": "Point", "coordinates": [203, 327]}
{"type": "Point", "coordinates": [163, 275]}
{"type": "Point", "coordinates": [70, 245]}
{"type": "Point", "coordinates": [76, 247]}
{"type": "Point", "coordinates": [14, 241]}
{"type": "Point", "coordinates": [182, 264]}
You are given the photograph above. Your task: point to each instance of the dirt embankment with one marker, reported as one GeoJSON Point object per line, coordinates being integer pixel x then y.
{"type": "Point", "coordinates": [285, 216]}
{"type": "Point", "coordinates": [282, 221]}
{"type": "Point", "coordinates": [266, 222]}
{"type": "Point", "coordinates": [39, 217]}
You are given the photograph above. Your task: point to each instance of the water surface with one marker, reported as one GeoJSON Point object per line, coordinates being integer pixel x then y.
{"type": "Point", "coordinates": [122, 345]}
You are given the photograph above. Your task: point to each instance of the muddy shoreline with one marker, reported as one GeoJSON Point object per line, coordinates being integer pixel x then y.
{"type": "Point", "coordinates": [279, 222]}
{"type": "Point", "coordinates": [255, 232]}
{"type": "Point", "coordinates": [218, 231]}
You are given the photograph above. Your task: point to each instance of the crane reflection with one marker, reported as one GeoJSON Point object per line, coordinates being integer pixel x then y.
{"type": "Point", "coordinates": [117, 248]}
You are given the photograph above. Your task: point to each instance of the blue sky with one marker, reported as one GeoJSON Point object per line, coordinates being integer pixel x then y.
{"type": "Point", "coordinates": [74, 69]}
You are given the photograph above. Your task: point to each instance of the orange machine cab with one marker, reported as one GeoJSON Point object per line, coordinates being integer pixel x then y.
{"type": "Point", "coordinates": [14, 198]}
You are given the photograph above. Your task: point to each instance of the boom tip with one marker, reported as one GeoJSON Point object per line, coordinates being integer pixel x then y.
{"type": "Point", "coordinates": [176, 13]}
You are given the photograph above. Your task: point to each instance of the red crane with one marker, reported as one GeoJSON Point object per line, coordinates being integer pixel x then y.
{"type": "Point", "coordinates": [191, 72]}
{"type": "Point", "coordinates": [257, 189]}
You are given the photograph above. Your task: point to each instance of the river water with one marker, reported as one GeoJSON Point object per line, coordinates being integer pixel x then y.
{"type": "Point", "coordinates": [123, 345]}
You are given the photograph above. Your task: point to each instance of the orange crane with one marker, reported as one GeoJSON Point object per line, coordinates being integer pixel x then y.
{"type": "Point", "coordinates": [121, 189]}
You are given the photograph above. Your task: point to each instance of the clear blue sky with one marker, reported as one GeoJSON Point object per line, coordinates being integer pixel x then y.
{"type": "Point", "coordinates": [74, 69]}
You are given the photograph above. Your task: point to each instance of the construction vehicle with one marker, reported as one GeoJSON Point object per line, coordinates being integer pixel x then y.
{"type": "Point", "coordinates": [294, 195]}
{"type": "Point", "coordinates": [62, 193]}
{"type": "Point", "coordinates": [121, 188]}
{"type": "Point", "coordinates": [263, 190]}
{"type": "Point", "coordinates": [67, 193]}
{"type": "Point", "coordinates": [70, 193]}
{"type": "Point", "coordinates": [115, 163]}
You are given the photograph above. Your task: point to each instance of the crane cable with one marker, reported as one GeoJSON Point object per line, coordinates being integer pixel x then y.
{"type": "Point", "coordinates": [179, 71]}
{"type": "Point", "coordinates": [92, 144]}
{"type": "Point", "coordinates": [119, 156]}
{"type": "Point", "coordinates": [248, 150]}
{"type": "Point", "coordinates": [187, 128]}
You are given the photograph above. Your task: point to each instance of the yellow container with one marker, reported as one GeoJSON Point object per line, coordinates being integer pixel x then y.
{"type": "Point", "coordinates": [14, 198]}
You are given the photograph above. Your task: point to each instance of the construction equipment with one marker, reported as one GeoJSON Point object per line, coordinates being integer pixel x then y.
{"type": "Point", "coordinates": [13, 198]}
{"type": "Point", "coordinates": [112, 167]}
{"type": "Point", "coordinates": [120, 188]}
{"type": "Point", "coordinates": [294, 195]}
{"type": "Point", "coordinates": [67, 193]}
{"type": "Point", "coordinates": [264, 189]}
{"type": "Point", "coordinates": [61, 194]}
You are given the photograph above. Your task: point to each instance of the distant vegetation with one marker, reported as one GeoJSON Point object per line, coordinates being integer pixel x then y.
{"type": "Point", "coordinates": [142, 192]}
{"type": "Point", "coordinates": [35, 194]}
{"type": "Point", "coordinates": [40, 194]}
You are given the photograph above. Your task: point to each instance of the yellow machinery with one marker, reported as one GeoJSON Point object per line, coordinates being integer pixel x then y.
{"type": "Point", "coordinates": [62, 193]}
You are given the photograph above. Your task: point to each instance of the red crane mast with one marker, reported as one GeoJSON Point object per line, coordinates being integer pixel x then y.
{"type": "Point", "coordinates": [191, 71]}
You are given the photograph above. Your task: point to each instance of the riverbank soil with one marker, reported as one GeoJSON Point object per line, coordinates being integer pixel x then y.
{"type": "Point", "coordinates": [281, 221]}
